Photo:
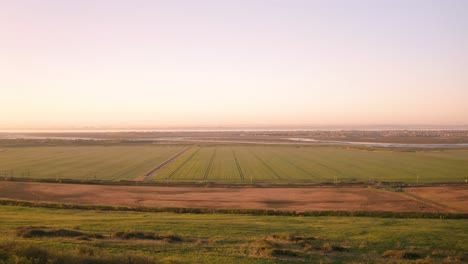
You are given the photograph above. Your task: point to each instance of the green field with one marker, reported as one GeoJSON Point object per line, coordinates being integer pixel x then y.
{"type": "Point", "coordinates": [84, 162]}
{"type": "Point", "coordinates": [236, 163]}
{"type": "Point", "coordinates": [216, 238]}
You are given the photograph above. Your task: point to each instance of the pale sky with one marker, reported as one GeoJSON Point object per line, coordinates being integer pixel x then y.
{"type": "Point", "coordinates": [150, 64]}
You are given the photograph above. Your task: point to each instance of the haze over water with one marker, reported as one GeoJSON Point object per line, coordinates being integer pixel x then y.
{"type": "Point", "coordinates": [113, 65]}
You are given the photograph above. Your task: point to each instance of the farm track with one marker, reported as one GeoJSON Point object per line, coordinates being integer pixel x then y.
{"type": "Point", "coordinates": [266, 165]}
{"type": "Point", "coordinates": [183, 164]}
{"type": "Point", "coordinates": [149, 175]}
{"type": "Point", "coordinates": [208, 168]}
{"type": "Point", "coordinates": [429, 202]}
{"type": "Point", "coordinates": [241, 174]}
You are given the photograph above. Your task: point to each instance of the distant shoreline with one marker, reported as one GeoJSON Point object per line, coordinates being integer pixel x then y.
{"type": "Point", "coordinates": [247, 129]}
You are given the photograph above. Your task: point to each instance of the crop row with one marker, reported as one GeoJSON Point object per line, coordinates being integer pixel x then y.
{"type": "Point", "coordinates": [234, 163]}
{"type": "Point", "coordinates": [312, 164]}
{"type": "Point", "coordinates": [84, 163]}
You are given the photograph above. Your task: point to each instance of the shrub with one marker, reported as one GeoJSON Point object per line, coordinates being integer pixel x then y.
{"type": "Point", "coordinates": [86, 251]}
{"type": "Point", "coordinates": [170, 238]}
{"type": "Point", "coordinates": [25, 253]}
{"type": "Point", "coordinates": [32, 253]}
{"type": "Point", "coordinates": [400, 254]}
{"type": "Point", "coordinates": [329, 247]}
{"type": "Point", "coordinates": [263, 248]}
{"type": "Point", "coordinates": [283, 253]}
{"type": "Point", "coordinates": [29, 232]}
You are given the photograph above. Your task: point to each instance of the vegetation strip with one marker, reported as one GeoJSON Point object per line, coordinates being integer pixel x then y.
{"type": "Point", "coordinates": [164, 183]}
{"type": "Point", "coordinates": [208, 168]}
{"type": "Point", "coordinates": [182, 210]}
{"type": "Point", "coordinates": [241, 174]}
{"type": "Point", "coordinates": [150, 174]}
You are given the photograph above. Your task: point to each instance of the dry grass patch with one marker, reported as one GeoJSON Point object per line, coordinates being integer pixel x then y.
{"type": "Point", "coordinates": [285, 246]}
{"type": "Point", "coordinates": [327, 247]}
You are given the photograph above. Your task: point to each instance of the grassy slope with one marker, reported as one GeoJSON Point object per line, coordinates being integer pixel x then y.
{"type": "Point", "coordinates": [232, 238]}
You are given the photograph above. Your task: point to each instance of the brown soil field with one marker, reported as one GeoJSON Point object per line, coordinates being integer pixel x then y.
{"type": "Point", "coordinates": [299, 199]}
{"type": "Point", "coordinates": [455, 197]}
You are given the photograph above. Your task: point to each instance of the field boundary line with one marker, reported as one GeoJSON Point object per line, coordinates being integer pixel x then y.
{"type": "Point", "coordinates": [241, 174]}
{"type": "Point", "coordinates": [148, 176]}
{"type": "Point", "coordinates": [210, 164]}
{"type": "Point", "coordinates": [256, 212]}
{"type": "Point", "coordinates": [429, 202]}
{"type": "Point", "coordinates": [257, 184]}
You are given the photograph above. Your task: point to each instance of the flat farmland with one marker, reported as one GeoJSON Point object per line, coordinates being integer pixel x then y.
{"type": "Point", "coordinates": [84, 162]}
{"type": "Point", "coordinates": [284, 199]}
{"type": "Point", "coordinates": [234, 163]}
{"type": "Point", "coordinates": [286, 164]}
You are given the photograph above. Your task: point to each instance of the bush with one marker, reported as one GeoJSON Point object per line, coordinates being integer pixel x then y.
{"type": "Point", "coordinates": [383, 214]}
{"type": "Point", "coordinates": [291, 238]}
{"type": "Point", "coordinates": [170, 238]}
{"type": "Point", "coordinates": [25, 253]}
{"type": "Point", "coordinates": [31, 231]}
{"type": "Point", "coordinates": [329, 247]}
{"type": "Point", "coordinates": [263, 248]}
{"type": "Point", "coordinates": [400, 254]}
{"type": "Point", "coordinates": [283, 253]}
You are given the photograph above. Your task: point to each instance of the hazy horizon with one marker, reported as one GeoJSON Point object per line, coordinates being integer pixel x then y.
{"type": "Point", "coordinates": [227, 64]}
{"type": "Point", "coordinates": [237, 128]}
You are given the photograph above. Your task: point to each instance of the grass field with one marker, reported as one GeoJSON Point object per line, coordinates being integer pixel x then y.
{"type": "Point", "coordinates": [236, 163]}
{"type": "Point", "coordinates": [214, 238]}
{"type": "Point", "coordinates": [84, 162]}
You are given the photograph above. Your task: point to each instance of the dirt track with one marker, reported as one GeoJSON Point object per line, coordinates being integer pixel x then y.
{"type": "Point", "coordinates": [150, 174]}
{"type": "Point", "coordinates": [300, 199]}
{"type": "Point", "coordinates": [455, 197]}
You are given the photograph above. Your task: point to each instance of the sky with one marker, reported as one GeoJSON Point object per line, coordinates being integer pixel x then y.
{"type": "Point", "coordinates": [214, 63]}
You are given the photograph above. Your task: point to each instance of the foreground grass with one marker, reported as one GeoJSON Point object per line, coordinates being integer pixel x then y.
{"type": "Point", "coordinates": [220, 238]}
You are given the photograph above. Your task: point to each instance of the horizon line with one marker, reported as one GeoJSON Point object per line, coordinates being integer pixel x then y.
{"type": "Point", "coordinates": [234, 128]}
